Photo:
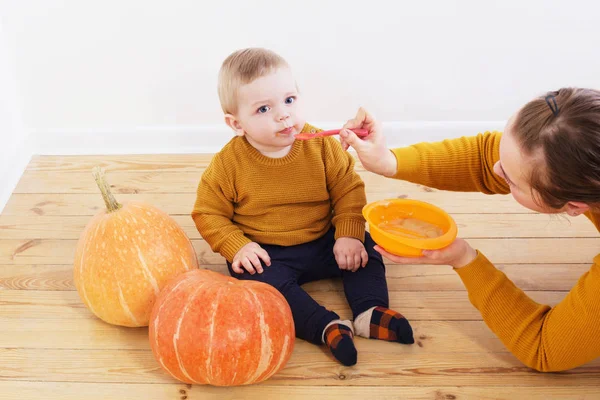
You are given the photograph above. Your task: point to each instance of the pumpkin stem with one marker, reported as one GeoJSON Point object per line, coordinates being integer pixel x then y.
{"type": "Point", "coordinates": [109, 199]}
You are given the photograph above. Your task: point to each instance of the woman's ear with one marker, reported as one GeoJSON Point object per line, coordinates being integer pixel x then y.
{"type": "Point", "coordinates": [234, 124]}
{"type": "Point", "coordinates": [575, 208]}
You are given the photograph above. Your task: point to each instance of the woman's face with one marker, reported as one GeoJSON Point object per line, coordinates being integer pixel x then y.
{"type": "Point", "coordinates": [515, 168]}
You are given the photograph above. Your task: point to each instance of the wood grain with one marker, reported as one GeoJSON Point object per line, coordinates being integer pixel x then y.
{"type": "Point", "coordinates": [34, 205]}
{"type": "Point", "coordinates": [52, 347]}
{"type": "Point", "coordinates": [92, 333]}
{"type": "Point", "coordinates": [19, 390]}
{"type": "Point", "coordinates": [469, 225]}
{"type": "Point", "coordinates": [499, 250]}
{"type": "Point", "coordinates": [159, 182]}
{"type": "Point", "coordinates": [415, 305]}
{"type": "Point", "coordinates": [381, 368]}
{"type": "Point", "coordinates": [558, 277]}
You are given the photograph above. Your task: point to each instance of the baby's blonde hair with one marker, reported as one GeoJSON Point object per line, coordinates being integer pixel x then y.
{"type": "Point", "coordinates": [242, 67]}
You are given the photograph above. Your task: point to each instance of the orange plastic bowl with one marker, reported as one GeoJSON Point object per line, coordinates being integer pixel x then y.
{"type": "Point", "coordinates": [389, 209]}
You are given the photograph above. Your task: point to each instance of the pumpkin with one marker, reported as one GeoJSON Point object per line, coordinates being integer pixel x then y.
{"type": "Point", "coordinates": [209, 328]}
{"type": "Point", "coordinates": [125, 255]}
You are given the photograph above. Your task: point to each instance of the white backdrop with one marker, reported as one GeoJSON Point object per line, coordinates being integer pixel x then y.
{"type": "Point", "coordinates": [119, 76]}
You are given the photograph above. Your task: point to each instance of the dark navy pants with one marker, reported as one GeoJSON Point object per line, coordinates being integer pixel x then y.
{"type": "Point", "coordinates": [292, 266]}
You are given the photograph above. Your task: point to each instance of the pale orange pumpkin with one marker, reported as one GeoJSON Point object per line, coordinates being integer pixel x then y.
{"type": "Point", "coordinates": [209, 328]}
{"type": "Point", "coordinates": [125, 255]}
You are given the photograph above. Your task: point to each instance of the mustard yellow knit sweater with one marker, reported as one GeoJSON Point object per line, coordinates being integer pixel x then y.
{"type": "Point", "coordinates": [542, 337]}
{"type": "Point", "coordinates": [244, 196]}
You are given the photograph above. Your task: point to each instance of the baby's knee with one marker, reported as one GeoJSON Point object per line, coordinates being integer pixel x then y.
{"type": "Point", "coordinates": [270, 276]}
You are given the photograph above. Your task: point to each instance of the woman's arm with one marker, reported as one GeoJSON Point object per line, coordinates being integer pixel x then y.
{"type": "Point", "coordinates": [544, 338]}
{"type": "Point", "coordinates": [464, 164]}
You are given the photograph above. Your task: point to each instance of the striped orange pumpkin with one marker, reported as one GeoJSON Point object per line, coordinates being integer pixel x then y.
{"type": "Point", "coordinates": [125, 256]}
{"type": "Point", "coordinates": [209, 328]}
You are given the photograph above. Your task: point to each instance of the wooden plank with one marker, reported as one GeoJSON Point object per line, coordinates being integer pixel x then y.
{"type": "Point", "coordinates": [469, 226]}
{"type": "Point", "coordinates": [121, 163]}
{"type": "Point", "coordinates": [37, 277]}
{"type": "Point", "coordinates": [381, 368]}
{"type": "Point", "coordinates": [160, 182]}
{"type": "Point", "coordinates": [19, 390]}
{"type": "Point", "coordinates": [94, 334]}
{"type": "Point", "coordinates": [525, 251]}
{"type": "Point", "coordinates": [559, 277]}
{"type": "Point", "coordinates": [183, 203]}
{"type": "Point", "coordinates": [129, 162]}
{"type": "Point", "coordinates": [415, 305]}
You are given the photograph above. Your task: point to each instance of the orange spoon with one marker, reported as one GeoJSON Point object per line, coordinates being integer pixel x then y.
{"type": "Point", "coordinates": [361, 133]}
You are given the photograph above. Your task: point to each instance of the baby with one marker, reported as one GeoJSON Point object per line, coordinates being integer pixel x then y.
{"type": "Point", "coordinates": [287, 212]}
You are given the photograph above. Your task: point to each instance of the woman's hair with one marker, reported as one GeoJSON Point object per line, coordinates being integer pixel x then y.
{"type": "Point", "coordinates": [561, 132]}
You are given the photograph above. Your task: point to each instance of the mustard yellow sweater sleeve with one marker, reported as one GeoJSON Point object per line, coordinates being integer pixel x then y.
{"type": "Point", "coordinates": [213, 211]}
{"type": "Point", "coordinates": [464, 164]}
{"type": "Point", "coordinates": [542, 337]}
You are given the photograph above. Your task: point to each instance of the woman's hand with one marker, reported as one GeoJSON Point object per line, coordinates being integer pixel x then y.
{"type": "Point", "coordinates": [372, 151]}
{"type": "Point", "coordinates": [458, 254]}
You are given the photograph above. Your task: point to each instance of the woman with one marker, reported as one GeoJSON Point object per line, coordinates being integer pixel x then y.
{"type": "Point", "coordinates": [548, 158]}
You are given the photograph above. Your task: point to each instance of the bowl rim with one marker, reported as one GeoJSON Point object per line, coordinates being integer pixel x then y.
{"type": "Point", "coordinates": [427, 243]}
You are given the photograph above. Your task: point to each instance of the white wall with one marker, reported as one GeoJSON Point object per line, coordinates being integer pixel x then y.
{"type": "Point", "coordinates": [14, 156]}
{"type": "Point", "coordinates": [134, 70]}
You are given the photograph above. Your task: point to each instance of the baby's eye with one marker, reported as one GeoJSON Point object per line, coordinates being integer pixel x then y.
{"type": "Point", "coordinates": [263, 109]}
{"type": "Point", "coordinates": [290, 100]}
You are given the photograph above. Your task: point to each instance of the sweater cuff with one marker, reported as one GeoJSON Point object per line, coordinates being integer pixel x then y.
{"type": "Point", "coordinates": [232, 245]}
{"type": "Point", "coordinates": [408, 162]}
{"type": "Point", "coordinates": [477, 274]}
{"type": "Point", "coordinates": [350, 228]}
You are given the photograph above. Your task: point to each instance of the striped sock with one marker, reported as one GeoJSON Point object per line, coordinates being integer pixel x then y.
{"type": "Point", "coordinates": [384, 324]}
{"type": "Point", "coordinates": [339, 338]}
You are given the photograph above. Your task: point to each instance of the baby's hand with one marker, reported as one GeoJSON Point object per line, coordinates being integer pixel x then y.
{"type": "Point", "coordinates": [350, 253]}
{"type": "Point", "coordinates": [248, 257]}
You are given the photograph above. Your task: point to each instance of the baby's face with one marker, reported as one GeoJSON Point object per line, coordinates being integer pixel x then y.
{"type": "Point", "coordinates": [269, 112]}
